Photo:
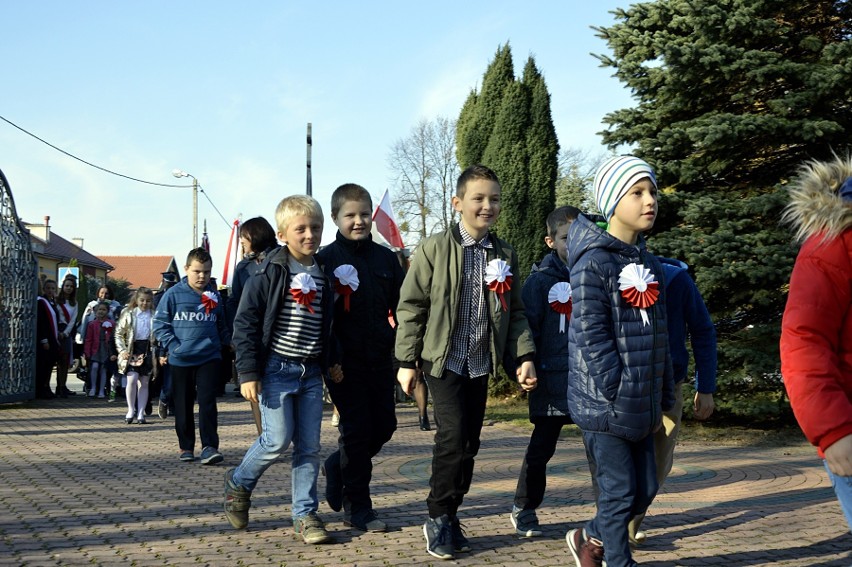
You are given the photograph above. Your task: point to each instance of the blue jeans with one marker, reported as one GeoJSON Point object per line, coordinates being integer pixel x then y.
{"type": "Point", "coordinates": [626, 476]}
{"type": "Point", "coordinates": [166, 387]}
{"type": "Point", "coordinates": [291, 410]}
{"type": "Point", "coordinates": [843, 488]}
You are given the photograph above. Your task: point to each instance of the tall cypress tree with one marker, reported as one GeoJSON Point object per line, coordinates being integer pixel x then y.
{"type": "Point", "coordinates": [479, 113]}
{"type": "Point", "coordinates": [732, 95]}
{"type": "Point", "coordinates": [508, 127]}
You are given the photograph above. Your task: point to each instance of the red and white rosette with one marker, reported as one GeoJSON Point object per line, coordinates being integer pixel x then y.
{"type": "Point", "coordinates": [107, 326]}
{"type": "Point", "coordinates": [498, 276]}
{"type": "Point", "coordinates": [303, 288]}
{"type": "Point", "coordinates": [559, 298]}
{"type": "Point", "coordinates": [639, 288]}
{"type": "Point", "coordinates": [209, 301]}
{"type": "Point", "coordinates": [347, 282]}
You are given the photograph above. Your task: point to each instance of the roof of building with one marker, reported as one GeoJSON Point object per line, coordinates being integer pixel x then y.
{"type": "Point", "coordinates": [141, 271]}
{"type": "Point", "coordinates": [63, 250]}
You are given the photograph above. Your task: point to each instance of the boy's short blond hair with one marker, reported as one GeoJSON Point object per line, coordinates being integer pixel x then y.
{"type": "Point", "coordinates": [296, 205]}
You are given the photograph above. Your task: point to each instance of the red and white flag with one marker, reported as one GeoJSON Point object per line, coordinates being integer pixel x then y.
{"type": "Point", "coordinates": [385, 223]}
{"type": "Point", "coordinates": [232, 256]}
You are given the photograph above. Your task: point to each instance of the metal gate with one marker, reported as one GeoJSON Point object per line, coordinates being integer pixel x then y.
{"type": "Point", "coordinates": [18, 269]}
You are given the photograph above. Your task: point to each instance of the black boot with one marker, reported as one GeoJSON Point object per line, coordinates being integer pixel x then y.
{"type": "Point", "coordinates": [424, 423]}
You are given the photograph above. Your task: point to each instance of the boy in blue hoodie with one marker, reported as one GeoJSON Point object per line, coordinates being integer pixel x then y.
{"type": "Point", "coordinates": [547, 301]}
{"type": "Point", "coordinates": [686, 313]}
{"type": "Point", "coordinates": [190, 325]}
{"type": "Point", "coordinates": [620, 379]}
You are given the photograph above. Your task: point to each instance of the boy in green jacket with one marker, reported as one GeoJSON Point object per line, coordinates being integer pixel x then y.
{"type": "Point", "coordinates": [459, 317]}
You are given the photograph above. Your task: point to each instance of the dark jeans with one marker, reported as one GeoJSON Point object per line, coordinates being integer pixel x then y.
{"type": "Point", "coordinates": [165, 380]}
{"type": "Point", "coordinates": [365, 401]}
{"type": "Point", "coordinates": [186, 380]}
{"type": "Point", "coordinates": [459, 406]}
{"type": "Point", "coordinates": [533, 478]}
{"type": "Point", "coordinates": [625, 477]}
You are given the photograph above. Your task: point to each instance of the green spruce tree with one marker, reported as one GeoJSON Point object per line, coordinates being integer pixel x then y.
{"type": "Point", "coordinates": [731, 97]}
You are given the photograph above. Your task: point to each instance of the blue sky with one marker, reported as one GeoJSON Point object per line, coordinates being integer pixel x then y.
{"type": "Point", "coordinates": [224, 91]}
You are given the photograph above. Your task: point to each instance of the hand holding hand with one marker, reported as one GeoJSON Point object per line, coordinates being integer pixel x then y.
{"type": "Point", "coordinates": [526, 376]}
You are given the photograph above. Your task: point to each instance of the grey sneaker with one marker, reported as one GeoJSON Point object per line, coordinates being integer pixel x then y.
{"type": "Point", "coordinates": [439, 537]}
{"type": "Point", "coordinates": [367, 521]}
{"type": "Point", "coordinates": [187, 456]}
{"type": "Point", "coordinates": [525, 522]}
{"type": "Point", "coordinates": [237, 502]}
{"type": "Point", "coordinates": [311, 528]}
{"type": "Point", "coordinates": [211, 456]}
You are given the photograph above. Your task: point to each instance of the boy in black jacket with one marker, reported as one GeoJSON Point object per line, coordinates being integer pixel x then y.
{"type": "Point", "coordinates": [366, 277]}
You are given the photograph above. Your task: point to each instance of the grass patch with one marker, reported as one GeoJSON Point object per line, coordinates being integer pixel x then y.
{"type": "Point", "coordinates": [513, 410]}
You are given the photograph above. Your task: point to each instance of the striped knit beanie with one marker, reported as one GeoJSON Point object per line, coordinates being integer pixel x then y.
{"type": "Point", "coordinates": [615, 177]}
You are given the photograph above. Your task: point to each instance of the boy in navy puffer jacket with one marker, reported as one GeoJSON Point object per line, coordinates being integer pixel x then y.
{"type": "Point", "coordinates": [190, 325]}
{"type": "Point", "coordinates": [620, 378]}
{"type": "Point", "coordinates": [547, 300]}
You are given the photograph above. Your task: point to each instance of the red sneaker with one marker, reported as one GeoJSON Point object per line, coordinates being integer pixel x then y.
{"type": "Point", "coordinates": [587, 552]}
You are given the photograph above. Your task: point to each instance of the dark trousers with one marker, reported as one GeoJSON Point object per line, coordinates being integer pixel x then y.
{"type": "Point", "coordinates": [365, 402]}
{"type": "Point", "coordinates": [624, 475]}
{"type": "Point", "coordinates": [187, 381]}
{"type": "Point", "coordinates": [459, 406]}
{"type": "Point", "coordinates": [45, 359]}
{"type": "Point", "coordinates": [533, 478]}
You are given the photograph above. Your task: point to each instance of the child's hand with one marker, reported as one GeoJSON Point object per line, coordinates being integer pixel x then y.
{"type": "Point", "coordinates": [249, 391]}
{"type": "Point", "coordinates": [336, 373]}
{"type": "Point", "coordinates": [407, 378]}
{"type": "Point", "coordinates": [703, 405]}
{"type": "Point", "coordinates": [838, 456]}
{"type": "Point", "coordinates": [164, 360]}
{"type": "Point", "coordinates": [123, 355]}
{"type": "Point", "coordinates": [526, 376]}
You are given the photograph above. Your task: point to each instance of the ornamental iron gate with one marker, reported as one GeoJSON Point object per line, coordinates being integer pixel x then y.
{"type": "Point", "coordinates": [18, 273]}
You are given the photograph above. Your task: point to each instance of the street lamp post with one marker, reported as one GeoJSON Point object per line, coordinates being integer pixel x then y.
{"type": "Point", "coordinates": [179, 173]}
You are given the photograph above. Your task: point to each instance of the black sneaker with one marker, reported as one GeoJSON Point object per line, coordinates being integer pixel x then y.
{"type": "Point", "coordinates": [439, 537]}
{"type": "Point", "coordinates": [460, 542]}
{"type": "Point", "coordinates": [162, 410]}
{"type": "Point", "coordinates": [525, 522]}
{"type": "Point", "coordinates": [237, 502]}
{"type": "Point", "coordinates": [366, 521]}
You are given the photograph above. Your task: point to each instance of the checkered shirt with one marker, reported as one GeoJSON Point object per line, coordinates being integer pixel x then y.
{"type": "Point", "coordinates": [469, 347]}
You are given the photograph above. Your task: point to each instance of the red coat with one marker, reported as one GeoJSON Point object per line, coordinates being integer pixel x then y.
{"type": "Point", "coordinates": [816, 332]}
{"type": "Point", "coordinates": [93, 337]}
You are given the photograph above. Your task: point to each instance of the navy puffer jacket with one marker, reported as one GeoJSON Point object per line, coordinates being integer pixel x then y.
{"type": "Point", "coordinates": [551, 346]}
{"type": "Point", "coordinates": [620, 375]}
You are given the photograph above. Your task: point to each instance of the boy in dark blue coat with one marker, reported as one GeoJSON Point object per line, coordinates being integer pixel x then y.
{"type": "Point", "coordinates": [620, 379]}
{"type": "Point", "coordinates": [547, 299]}
{"type": "Point", "coordinates": [367, 278]}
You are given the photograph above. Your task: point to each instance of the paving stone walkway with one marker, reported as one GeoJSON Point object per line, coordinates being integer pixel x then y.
{"type": "Point", "coordinates": [80, 487]}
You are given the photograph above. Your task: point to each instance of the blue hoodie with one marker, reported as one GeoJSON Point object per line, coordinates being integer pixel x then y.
{"type": "Point", "coordinates": [183, 327]}
{"type": "Point", "coordinates": [686, 313]}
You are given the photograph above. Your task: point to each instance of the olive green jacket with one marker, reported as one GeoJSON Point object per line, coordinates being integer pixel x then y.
{"type": "Point", "coordinates": [429, 306]}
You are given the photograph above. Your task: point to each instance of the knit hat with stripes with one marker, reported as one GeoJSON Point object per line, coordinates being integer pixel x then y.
{"type": "Point", "coordinates": [615, 177]}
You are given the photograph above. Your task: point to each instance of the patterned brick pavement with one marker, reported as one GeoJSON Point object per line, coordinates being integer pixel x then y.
{"type": "Point", "coordinates": [80, 487]}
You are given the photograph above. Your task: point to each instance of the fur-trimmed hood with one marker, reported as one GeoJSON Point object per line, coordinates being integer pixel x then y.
{"type": "Point", "coordinates": [815, 206]}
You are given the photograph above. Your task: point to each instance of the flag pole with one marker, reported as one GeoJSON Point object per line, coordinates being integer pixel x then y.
{"type": "Point", "coordinates": [310, 146]}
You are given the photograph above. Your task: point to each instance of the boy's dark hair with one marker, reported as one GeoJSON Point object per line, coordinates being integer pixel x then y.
{"type": "Point", "coordinates": [473, 173]}
{"type": "Point", "coordinates": [348, 192]}
{"type": "Point", "coordinates": [559, 217]}
{"type": "Point", "coordinates": [259, 233]}
{"type": "Point", "coordinates": [200, 254]}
